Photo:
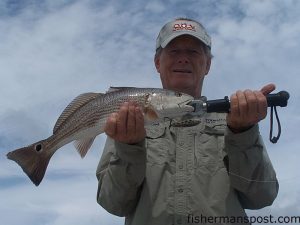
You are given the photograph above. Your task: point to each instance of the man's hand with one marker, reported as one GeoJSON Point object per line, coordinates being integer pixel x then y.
{"type": "Point", "coordinates": [248, 108]}
{"type": "Point", "coordinates": [126, 125]}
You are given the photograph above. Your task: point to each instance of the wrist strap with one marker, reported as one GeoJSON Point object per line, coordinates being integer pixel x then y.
{"type": "Point", "coordinates": [274, 139]}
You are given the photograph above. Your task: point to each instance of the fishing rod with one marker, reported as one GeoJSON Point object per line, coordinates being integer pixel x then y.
{"type": "Point", "coordinates": [223, 106]}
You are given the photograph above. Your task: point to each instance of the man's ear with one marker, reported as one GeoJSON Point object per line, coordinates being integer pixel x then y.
{"type": "Point", "coordinates": [208, 63]}
{"type": "Point", "coordinates": [157, 63]}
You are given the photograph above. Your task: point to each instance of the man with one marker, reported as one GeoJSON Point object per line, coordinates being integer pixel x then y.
{"type": "Point", "coordinates": [203, 174]}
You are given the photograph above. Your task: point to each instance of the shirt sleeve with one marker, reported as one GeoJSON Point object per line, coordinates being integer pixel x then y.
{"type": "Point", "coordinates": [120, 174]}
{"type": "Point", "coordinates": [250, 170]}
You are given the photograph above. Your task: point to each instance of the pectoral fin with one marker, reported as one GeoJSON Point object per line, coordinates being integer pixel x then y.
{"type": "Point", "coordinates": [83, 145]}
{"type": "Point", "coordinates": [150, 114]}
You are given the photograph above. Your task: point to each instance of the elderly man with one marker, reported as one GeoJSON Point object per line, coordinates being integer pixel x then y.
{"type": "Point", "coordinates": [206, 173]}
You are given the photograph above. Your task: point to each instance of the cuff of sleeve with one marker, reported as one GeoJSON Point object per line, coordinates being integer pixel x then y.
{"type": "Point", "coordinates": [135, 153]}
{"type": "Point", "coordinates": [242, 140]}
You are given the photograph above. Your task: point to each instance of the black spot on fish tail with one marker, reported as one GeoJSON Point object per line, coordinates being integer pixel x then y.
{"type": "Point", "coordinates": [32, 162]}
{"type": "Point", "coordinates": [38, 147]}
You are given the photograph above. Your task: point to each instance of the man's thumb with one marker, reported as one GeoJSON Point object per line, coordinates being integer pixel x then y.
{"type": "Point", "coordinates": [268, 89]}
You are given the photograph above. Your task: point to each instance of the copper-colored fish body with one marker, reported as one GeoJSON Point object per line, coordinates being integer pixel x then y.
{"type": "Point", "coordinates": [85, 117]}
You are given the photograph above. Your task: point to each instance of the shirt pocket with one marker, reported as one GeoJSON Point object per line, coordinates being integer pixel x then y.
{"type": "Point", "coordinates": [157, 146]}
{"type": "Point", "coordinates": [208, 149]}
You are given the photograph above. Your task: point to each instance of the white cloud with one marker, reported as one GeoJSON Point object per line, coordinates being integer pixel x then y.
{"type": "Point", "coordinates": [59, 202]}
{"type": "Point", "coordinates": [155, 6]}
{"type": "Point", "coordinates": [53, 51]}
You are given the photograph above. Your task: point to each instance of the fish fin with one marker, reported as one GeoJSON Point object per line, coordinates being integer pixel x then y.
{"type": "Point", "coordinates": [112, 89]}
{"type": "Point", "coordinates": [32, 161]}
{"type": "Point", "coordinates": [151, 114]}
{"type": "Point", "coordinates": [77, 103]}
{"type": "Point", "coordinates": [83, 145]}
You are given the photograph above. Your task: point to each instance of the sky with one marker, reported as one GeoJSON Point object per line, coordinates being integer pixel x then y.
{"type": "Point", "coordinates": [53, 50]}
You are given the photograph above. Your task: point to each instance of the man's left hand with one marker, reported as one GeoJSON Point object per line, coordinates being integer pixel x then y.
{"type": "Point", "coordinates": [248, 108]}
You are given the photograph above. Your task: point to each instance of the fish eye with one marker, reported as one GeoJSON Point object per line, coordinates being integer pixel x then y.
{"type": "Point", "coordinates": [38, 147]}
{"type": "Point", "coordinates": [178, 94]}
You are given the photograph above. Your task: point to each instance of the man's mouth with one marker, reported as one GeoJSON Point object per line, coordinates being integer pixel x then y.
{"type": "Point", "coordinates": [182, 71]}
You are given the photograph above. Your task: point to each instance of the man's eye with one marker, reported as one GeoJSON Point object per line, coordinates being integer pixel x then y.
{"type": "Point", "coordinates": [174, 51]}
{"type": "Point", "coordinates": [194, 51]}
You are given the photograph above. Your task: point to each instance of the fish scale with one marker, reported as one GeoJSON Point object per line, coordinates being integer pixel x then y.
{"type": "Point", "coordinates": [85, 117]}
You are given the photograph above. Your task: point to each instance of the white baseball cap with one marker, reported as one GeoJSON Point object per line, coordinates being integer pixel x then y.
{"type": "Point", "coordinates": [180, 27]}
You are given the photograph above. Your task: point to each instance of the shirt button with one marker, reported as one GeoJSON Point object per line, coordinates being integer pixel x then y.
{"type": "Point", "coordinates": [180, 190]}
{"type": "Point", "coordinates": [180, 167]}
{"type": "Point", "coordinates": [181, 143]}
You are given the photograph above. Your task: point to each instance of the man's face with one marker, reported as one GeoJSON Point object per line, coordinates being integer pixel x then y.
{"type": "Point", "coordinates": [183, 64]}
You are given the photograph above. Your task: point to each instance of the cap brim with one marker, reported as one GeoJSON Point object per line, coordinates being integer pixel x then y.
{"type": "Point", "coordinates": [175, 35]}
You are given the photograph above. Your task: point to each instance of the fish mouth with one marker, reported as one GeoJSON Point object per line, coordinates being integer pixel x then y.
{"type": "Point", "coordinates": [187, 105]}
{"type": "Point", "coordinates": [179, 109]}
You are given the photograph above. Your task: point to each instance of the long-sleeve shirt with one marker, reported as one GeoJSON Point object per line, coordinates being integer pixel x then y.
{"type": "Point", "coordinates": [203, 174]}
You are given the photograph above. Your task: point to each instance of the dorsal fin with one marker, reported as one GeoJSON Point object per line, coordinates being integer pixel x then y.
{"type": "Point", "coordinates": [112, 89]}
{"type": "Point", "coordinates": [78, 102]}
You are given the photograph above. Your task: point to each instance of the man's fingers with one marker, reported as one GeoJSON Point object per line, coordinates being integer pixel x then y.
{"type": "Point", "coordinates": [242, 101]}
{"type": "Point", "coordinates": [252, 103]}
{"type": "Point", "coordinates": [110, 126]}
{"type": "Point", "coordinates": [126, 125]}
{"type": "Point", "coordinates": [268, 89]}
{"type": "Point", "coordinates": [122, 119]}
{"type": "Point", "coordinates": [234, 108]}
{"type": "Point", "coordinates": [131, 119]}
{"type": "Point", "coordinates": [262, 104]}
{"type": "Point", "coordinates": [248, 108]}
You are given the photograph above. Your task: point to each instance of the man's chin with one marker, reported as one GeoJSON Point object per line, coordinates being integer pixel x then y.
{"type": "Point", "coordinates": [182, 87]}
{"type": "Point", "coordinates": [182, 84]}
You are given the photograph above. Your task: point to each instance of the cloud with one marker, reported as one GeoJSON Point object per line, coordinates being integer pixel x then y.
{"type": "Point", "coordinates": [155, 6]}
{"type": "Point", "coordinates": [52, 51]}
{"type": "Point", "coordinates": [65, 201]}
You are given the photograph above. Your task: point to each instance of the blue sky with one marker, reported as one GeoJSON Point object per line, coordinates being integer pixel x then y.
{"type": "Point", "coordinates": [53, 50]}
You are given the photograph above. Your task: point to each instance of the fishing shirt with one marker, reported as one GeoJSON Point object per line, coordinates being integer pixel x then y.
{"type": "Point", "coordinates": [203, 174]}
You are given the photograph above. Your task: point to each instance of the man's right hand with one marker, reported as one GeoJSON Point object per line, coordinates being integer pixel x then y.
{"type": "Point", "coordinates": [126, 125]}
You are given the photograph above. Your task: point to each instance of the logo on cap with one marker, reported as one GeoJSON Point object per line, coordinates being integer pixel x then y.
{"type": "Point", "coordinates": [183, 26]}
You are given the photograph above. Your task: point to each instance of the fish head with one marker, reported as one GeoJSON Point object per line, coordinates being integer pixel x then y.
{"type": "Point", "coordinates": [170, 104]}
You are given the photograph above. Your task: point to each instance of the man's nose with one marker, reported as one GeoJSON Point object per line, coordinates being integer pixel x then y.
{"type": "Point", "coordinates": [183, 57]}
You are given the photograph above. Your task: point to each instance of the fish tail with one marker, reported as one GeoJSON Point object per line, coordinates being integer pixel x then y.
{"type": "Point", "coordinates": [33, 160]}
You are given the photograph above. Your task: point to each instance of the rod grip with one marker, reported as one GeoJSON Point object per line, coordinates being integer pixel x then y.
{"type": "Point", "coordinates": [279, 99]}
{"type": "Point", "coordinates": [223, 105]}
